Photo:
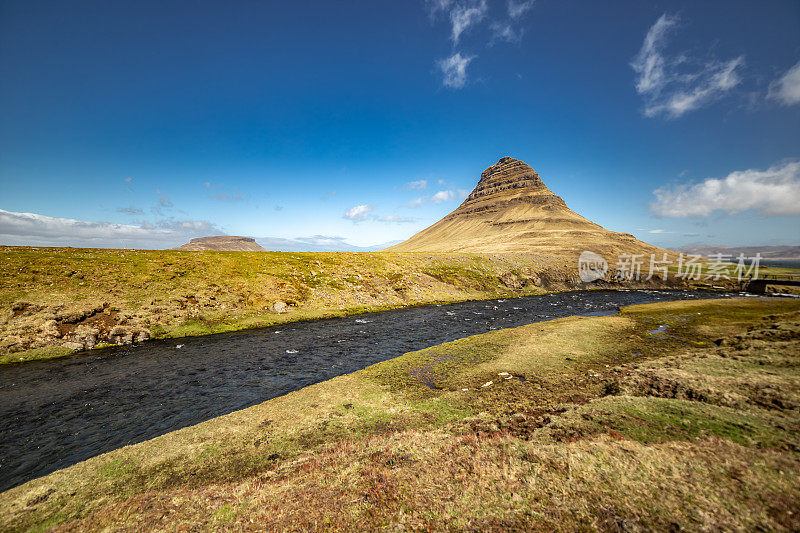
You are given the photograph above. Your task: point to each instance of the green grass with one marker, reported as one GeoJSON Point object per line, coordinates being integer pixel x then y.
{"type": "Point", "coordinates": [176, 293]}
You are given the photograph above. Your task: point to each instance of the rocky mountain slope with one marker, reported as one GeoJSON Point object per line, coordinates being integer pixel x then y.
{"type": "Point", "coordinates": [512, 210]}
{"type": "Point", "coordinates": [223, 243]}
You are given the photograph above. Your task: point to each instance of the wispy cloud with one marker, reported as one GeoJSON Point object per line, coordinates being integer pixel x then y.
{"type": "Point", "coordinates": [771, 192]}
{"type": "Point", "coordinates": [130, 210]}
{"type": "Point", "coordinates": [786, 89]}
{"type": "Point", "coordinates": [42, 230]}
{"type": "Point", "coordinates": [517, 9]}
{"type": "Point", "coordinates": [667, 85]}
{"type": "Point", "coordinates": [219, 192]}
{"type": "Point", "coordinates": [322, 240]}
{"type": "Point", "coordinates": [463, 15]}
{"type": "Point", "coordinates": [419, 185]}
{"type": "Point", "coordinates": [358, 213]}
{"type": "Point", "coordinates": [454, 69]}
{"type": "Point", "coordinates": [236, 196]}
{"type": "Point", "coordinates": [416, 202]}
{"type": "Point", "coordinates": [435, 6]}
{"type": "Point", "coordinates": [504, 32]}
{"type": "Point", "coordinates": [396, 219]}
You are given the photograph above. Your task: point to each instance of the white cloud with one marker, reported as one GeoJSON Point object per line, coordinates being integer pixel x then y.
{"type": "Point", "coordinates": [418, 185]}
{"type": "Point", "coordinates": [517, 9]}
{"type": "Point", "coordinates": [667, 87]}
{"type": "Point", "coordinates": [504, 32]}
{"type": "Point", "coordinates": [358, 213]}
{"type": "Point", "coordinates": [323, 240]}
{"type": "Point", "coordinates": [396, 219]}
{"type": "Point", "coordinates": [786, 89]}
{"type": "Point", "coordinates": [434, 6]}
{"type": "Point", "coordinates": [416, 202]}
{"type": "Point", "coordinates": [443, 196]}
{"type": "Point", "coordinates": [41, 230]}
{"type": "Point", "coordinates": [718, 78]}
{"type": "Point", "coordinates": [772, 192]}
{"type": "Point", "coordinates": [466, 14]}
{"type": "Point", "coordinates": [649, 62]}
{"type": "Point", "coordinates": [454, 69]}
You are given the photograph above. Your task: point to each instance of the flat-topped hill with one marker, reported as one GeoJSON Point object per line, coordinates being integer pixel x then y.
{"type": "Point", "coordinates": [224, 243]}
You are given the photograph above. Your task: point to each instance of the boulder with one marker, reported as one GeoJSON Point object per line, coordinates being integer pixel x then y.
{"type": "Point", "coordinates": [74, 345]}
{"type": "Point", "coordinates": [280, 307]}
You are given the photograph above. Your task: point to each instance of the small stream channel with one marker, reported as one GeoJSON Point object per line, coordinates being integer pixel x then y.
{"type": "Point", "coordinates": [56, 413]}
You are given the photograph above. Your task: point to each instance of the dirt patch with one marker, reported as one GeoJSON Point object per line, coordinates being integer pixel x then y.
{"type": "Point", "coordinates": [104, 320]}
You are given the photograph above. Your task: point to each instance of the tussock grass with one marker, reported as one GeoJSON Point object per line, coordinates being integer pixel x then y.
{"type": "Point", "coordinates": [612, 428]}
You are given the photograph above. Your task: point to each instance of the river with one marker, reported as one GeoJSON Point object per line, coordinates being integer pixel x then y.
{"type": "Point", "coordinates": [56, 413]}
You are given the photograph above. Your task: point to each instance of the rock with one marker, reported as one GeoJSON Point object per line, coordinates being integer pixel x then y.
{"type": "Point", "coordinates": [50, 329]}
{"type": "Point", "coordinates": [511, 280]}
{"type": "Point", "coordinates": [91, 341]}
{"type": "Point", "coordinates": [74, 345]}
{"type": "Point", "coordinates": [535, 279]}
{"type": "Point", "coordinates": [120, 335]}
{"type": "Point", "coordinates": [280, 307]}
{"type": "Point", "coordinates": [142, 335]}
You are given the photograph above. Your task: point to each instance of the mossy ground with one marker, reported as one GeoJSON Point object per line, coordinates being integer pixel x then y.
{"type": "Point", "coordinates": [613, 427]}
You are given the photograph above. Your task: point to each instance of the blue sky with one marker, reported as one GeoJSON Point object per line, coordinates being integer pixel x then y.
{"type": "Point", "coordinates": [146, 123]}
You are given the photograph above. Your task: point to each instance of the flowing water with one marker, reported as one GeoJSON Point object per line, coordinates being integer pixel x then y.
{"type": "Point", "coordinates": [56, 413]}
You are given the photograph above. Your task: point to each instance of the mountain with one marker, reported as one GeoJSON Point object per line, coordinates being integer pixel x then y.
{"type": "Point", "coordinates": [767, 252]}
{"type": "Point", "coordinates": [512, 210]}
{"type": "Point", "coordinates": [226, 243]}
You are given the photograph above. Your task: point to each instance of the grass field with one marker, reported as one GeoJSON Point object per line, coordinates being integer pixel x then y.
{"type": "Point", "coordinates": [609, 422]}
{"type": "Point", "coordinates": [54, 300]}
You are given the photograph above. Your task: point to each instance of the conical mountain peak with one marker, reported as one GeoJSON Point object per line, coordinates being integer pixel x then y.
{"type": "Point", "coordinates": [512, 210]}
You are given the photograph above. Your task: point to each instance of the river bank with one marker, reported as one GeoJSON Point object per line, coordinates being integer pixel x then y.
{"type": "Point", "coordinates": [58, 412]}
{"type": "Point", "coordinates": [57, 301]}
{"type": "Point", "coordinates": [678, 414]}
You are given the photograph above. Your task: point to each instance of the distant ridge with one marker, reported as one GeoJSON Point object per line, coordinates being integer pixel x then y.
{"type": "Point", "coordinates": [223, 243]}
{"type": "Point", "coordinates": [767, 252]}
{"type": "Point", "coordinates": [512, 210]}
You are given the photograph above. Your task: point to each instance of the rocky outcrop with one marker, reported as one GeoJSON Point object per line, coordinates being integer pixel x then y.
{"type": "Point", "coordinates": [222, 243]}
{"type": "Point", "coordinates": [30, 326]}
